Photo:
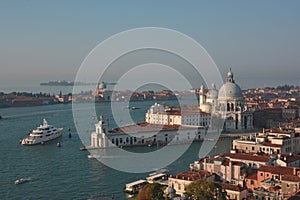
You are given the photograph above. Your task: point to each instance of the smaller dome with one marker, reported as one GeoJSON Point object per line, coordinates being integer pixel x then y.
{"type": "Point", "coordinates": [212, 94]}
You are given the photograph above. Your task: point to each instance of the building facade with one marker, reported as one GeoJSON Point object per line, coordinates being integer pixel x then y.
{"type": "Point", "coordinates": [229, 103]}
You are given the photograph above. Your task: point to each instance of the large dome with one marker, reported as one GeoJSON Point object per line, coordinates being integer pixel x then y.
{"type": "Point", "coordinates": [230, 91]}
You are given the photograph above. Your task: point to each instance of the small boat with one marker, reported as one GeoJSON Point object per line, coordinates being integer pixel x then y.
{"type": "Point", "coordinates": [58, 144]}
{"type": "Point", "coordinates": [82, 149]}
{"type": "Point", "coordinates": [90, 156]}
{"type": "Point", "coordinates": [42, 134]}
{"type": "Point", "coordinates": [134, 108]}
{"type": "Point", "coordinates": [22, 180]}
{"type": "Point", "coordinates": [130, 108]}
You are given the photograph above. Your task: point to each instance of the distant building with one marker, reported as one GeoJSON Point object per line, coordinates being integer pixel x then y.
{"type": "Point", "coordinates": [270, 141]}
{"type": "Point", "coordinates": [187, 115]}
{"type": "Point", "coordinates": [227, 103]}
{"type": "Point", "coordinates": [225, 169]}
{"type": "Point", "coordinates": [180, 181]}
{"type": "Point", "coordinates": [142, 134]}
{"type": "Point", "coordinates": [102, 93]}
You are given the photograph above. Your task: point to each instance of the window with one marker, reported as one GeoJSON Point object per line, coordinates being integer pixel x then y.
{"type": "Point", "coordinates": [252, 148]}
{"type": "Point", "coordinates": [252, 182]}
{"type": "Point", "coordinates": [287, 185]}
{"type": "Point", "coordinates": [261, 174]}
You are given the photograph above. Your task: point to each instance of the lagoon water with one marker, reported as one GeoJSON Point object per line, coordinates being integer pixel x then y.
{"type": "Point", "coordinates": [66, 172]}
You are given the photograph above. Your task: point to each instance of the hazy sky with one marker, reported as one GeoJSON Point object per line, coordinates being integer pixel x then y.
{"type": "Point", "coordinates": [48, 40]}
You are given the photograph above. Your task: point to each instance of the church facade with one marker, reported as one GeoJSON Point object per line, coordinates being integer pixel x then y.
{"type": "Point", "coordinates": [227, 102]}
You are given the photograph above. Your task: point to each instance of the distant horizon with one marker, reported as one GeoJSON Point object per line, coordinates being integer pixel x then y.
{"type": "Point", "coordinates": [35, 86]}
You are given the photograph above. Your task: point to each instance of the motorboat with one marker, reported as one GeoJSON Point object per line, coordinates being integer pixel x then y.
{"type": "Point", "coordinates": [22, 180]}
{"type": "Point", "coordinates": [42, 134]}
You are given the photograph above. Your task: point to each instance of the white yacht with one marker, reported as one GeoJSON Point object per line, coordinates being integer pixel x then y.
{"type": "Point", "coordinates": [42, 134]}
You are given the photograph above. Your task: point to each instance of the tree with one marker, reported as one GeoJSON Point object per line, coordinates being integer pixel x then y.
{"type": "Point", "coordinates": [204, 190]}
{"type": "Point", "coordinates": [153, 191]}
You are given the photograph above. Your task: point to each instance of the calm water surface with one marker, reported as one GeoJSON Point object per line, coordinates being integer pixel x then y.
{"type": "Point", "coordinates": [66, 172]}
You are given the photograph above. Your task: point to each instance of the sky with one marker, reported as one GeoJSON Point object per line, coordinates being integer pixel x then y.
{"type": "Point", "coordinates": [48, 40]}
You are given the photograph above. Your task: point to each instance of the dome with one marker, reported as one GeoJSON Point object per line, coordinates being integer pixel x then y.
{"type": "Point", "coordinates": [230, 91]}
{"type": "Point", "coordinates": [212, 94]}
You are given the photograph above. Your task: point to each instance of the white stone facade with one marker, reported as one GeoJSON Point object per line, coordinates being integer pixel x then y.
{"type": "Point", "coordinates": [159, 114]}
{"type": "Point", "coordinates": [229, 103]}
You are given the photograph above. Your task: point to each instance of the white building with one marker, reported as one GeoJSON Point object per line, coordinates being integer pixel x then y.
{"type": "Point", "coordinates": [142, 134]}
{"type": "Point", "coordinates": [270, 141]}
{"type": "Point", "coordinates": [186, 115]}
{"type": "Point", "coordinates": [229, 103]}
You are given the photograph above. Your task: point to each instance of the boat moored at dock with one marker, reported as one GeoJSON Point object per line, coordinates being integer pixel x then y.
{"type": "Point", "coordinates": [135, 186]}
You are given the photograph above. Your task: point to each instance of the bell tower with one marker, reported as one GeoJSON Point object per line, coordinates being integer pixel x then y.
{"type": "Point", "coordinates": [98, 138]}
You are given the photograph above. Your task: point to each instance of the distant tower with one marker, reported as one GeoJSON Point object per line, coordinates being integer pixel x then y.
{"type": "Point", "coordinates": [98, 138]}
{"type": "Point", "coordinates": [201, 95]}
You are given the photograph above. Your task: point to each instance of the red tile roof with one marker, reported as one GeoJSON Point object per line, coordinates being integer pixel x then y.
{"type": "Point", "coordinates": [291, 178]}
{"type": "Point", "coordinates": [191, 175]}
{"type": "Point", "coordinates": [247, 156]}
{"type": "Point", "coordinates": [269, 144]}
{"type": "Point", "coordinates": [277, 170]}
{"type": "Point", "coordinates": [290, 158]}
{"type": "Point", "coordinates": [146, 127]}
{"type": "Point", "coordinates": [232, 187]}
{"type": "Point", "coordinates": [238, 163]}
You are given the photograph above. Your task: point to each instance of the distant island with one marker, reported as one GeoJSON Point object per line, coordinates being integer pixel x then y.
{"type": "Point", "coordinates": [65, 83]}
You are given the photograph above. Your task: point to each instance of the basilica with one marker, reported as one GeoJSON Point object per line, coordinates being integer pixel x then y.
{"type": "Point", "coordinates": [229, 103]}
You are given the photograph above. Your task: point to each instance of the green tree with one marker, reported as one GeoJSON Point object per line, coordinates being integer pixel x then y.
{"type": "Point", "coordinates": [204, 190]}
{"type": "Point", "coordinates": [153, 191]}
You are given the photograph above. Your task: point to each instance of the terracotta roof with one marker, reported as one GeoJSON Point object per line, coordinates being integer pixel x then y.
{"type": "Point", "coordinates": [191, 175]}
{"type": "Point", "coordinates": [146, 127]}
{"type": "Point", "coordinates": [291, 178]}
{"type": "Point", "coordinates": [237, 163]}
{"type": "Point", "coordinates": [224, 161]}
{"type": "Point", "coordinates": [289, 158]}
{"type": "Point", "coordinates": [269, 144]}
{"type": "Point", "coordinates": [232, 187]}
{"type": "Point", "coordinates": [247, 156]}
{"type": "Point", "coordinates": [277, 170]}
